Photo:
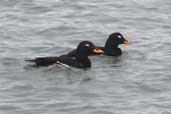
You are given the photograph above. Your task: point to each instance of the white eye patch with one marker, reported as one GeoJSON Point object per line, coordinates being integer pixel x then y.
{"type": "Point", "coordinates": [119, 36]}
{"type": "Point", "coordinates": [87, 45]}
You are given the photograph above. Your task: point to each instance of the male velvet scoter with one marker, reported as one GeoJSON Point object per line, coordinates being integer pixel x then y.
{"type": "Point", "coordinates": [111, 47]}
{"type": "Point", "coordinates": [79, 59]}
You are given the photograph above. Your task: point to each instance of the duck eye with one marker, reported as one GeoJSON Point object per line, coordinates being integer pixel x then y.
{"type": "Point", "coordinates": [87, 45]}
{"type": "Point", "coordinates": [119, 36]}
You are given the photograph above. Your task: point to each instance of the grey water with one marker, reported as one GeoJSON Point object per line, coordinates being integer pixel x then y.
{"type": "Point", "coordinates": [138, 82]}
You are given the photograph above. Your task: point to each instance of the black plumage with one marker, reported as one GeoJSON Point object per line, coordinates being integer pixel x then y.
{"type": "Point", "coordinates": [111, 47]}
{"type": "Point", "coordinates": [79, 59]}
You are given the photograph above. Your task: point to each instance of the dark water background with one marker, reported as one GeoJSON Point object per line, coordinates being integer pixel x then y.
{"type": "Point", "coordinates": [138, 82]}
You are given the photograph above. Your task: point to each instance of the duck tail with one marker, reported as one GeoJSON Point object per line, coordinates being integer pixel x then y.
{"type": "Point", "coordinates": [30, 60]}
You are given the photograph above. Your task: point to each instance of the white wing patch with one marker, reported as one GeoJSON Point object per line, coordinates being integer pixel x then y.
{"type": "Point", "coordinates": [62, 64]}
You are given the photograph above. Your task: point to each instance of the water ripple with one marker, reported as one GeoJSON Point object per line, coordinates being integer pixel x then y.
{"type": "Point", "coordinates": [138, 82]}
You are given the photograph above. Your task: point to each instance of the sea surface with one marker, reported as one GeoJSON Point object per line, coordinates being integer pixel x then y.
{"type": "Point", "coordinates": [138, 82]}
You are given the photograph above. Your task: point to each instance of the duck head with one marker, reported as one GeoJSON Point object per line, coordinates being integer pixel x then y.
{"type": "Point", "coordinates": [85, 48]}
{"type": "Point", "coordinates": [114, 40]}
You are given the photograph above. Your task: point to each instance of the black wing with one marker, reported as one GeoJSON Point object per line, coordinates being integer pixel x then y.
{"type": "Point", "coordinates": [71, 61]}
{"type": "Point", "coordinates": [44, 61]}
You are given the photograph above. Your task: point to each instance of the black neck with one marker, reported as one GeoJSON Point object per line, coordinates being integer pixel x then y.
{"type": "Point", "coordinates": [81, 56]}
{"type": "Point", "coordinates": [111, 43]}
